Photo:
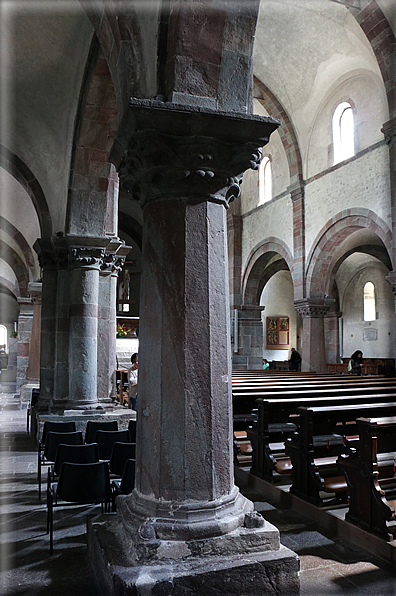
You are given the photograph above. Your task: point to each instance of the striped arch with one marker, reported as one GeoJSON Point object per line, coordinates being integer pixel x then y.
{"type": "Point", "coordinates": [262, 264]}
{"type": "Point", "coordinates": [23, 244]}
{"type": "Point", "coordinates": [321, 267]}
{"type": "Point", "coordinates": [19, 170]}
{"type": "Point", "coordinates": [287, 133]}
{"type": "Point", "coordinates": [382, 39]}
{"type": "Point", "coordinates": [12, 258]}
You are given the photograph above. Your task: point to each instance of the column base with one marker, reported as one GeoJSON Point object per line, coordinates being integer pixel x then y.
{"type": "Point", "coordinates": [188, 520]}
{"type": "Point", "coordinates": [248, 561]}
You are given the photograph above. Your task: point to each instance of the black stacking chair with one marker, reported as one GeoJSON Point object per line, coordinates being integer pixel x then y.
{"type": "Point", "coordinates": [52, 442]}
{"type": "Point", "coordinates": [31, 404]}
{"type": "Point", "coordinates": [132, 430]}
{"type": "Point", "coordinates": [127, 483]}
{"type": "Point", "coordinates": [79, 484]}
{"type": "Point", "coordinates": [61, 427]}
{"type": "Point", "coordinates": [76, 454]}
{"type": "Point", "coordinates": [120, 454]}
{"type": "Point", "coordinates": [95, 425]}
{"type": "Point", "coordinates": [106, 439]}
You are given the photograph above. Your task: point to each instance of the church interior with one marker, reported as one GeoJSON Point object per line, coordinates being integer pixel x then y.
{"type": "Point", "coordinates": [270, 127]}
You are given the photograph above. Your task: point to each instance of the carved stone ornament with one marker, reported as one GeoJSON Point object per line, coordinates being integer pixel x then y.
{"type": "Point", "coordinates": [86, 257]}
{"type": "Point", "coordinates": [112, 264]}
{"type": "Point", "coordinates": [171, 151]}
{"type": "Point", "coordinates": [391, 279]}
{"type": "Point", "coordinates": [313, 307]}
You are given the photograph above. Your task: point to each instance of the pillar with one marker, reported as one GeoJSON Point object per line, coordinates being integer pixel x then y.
{"type": "Point", "coordinates": [33, 372]}
{"type": "Point", "coordinates": [389, 131]}
{"type": "Point", "coordinates": [25, 324]}
{"type": "Point", "coordinates": [183, 167]}
{"type": "Point", "coordinates": [297, 193]}
{"type": "Point", "coordinates": [313, 354]}
{"type": "Point", "coordinates": [116, 252]}
{"type": "Point", "coordinates": [48, 263]}
{"type": "Point", "coordinates": [332, 337]}
{"type": "Point", "coordinates": [86, 255]}
{"type": "Point", "coordinates": [251, 338]}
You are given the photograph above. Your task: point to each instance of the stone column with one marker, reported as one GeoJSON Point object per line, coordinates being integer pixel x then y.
{"type": "Point", "coordinates": [389, 131]}
{"type": "Point", "coordinates": [183, 166]}
{"type": "Point", "coordinates": [111, 266]}
{"type": "Point", "coordinates": [332, 336]}
{"type": "Point", "coordinates": [251, 338]}
{"type": "Point", "coordinates": [48, 262]}
{"type": "Point", "coordinates": [25, 324]}
{"type": "Point", "coordinates": [313, 354]}
{"type": "Point", "coordinates": [33, 373]}
{"type": "Point", "coordinates": [85, 262]}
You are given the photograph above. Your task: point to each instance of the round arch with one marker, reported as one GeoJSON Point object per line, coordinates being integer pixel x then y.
{"type": "Point", "coordinates": [266, 259]}
{"type": "Point", "coordinates": [323, 260]}
{"type": "Point", "coordinates": [19, 170]}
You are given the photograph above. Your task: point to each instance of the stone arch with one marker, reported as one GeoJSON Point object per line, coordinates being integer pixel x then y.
{"type": "Point", "coordinates": [264, 261]}
{"type": "Point", "coordinates": [21, 241]}
{"type": "Point", "coordinates": [19, 170]}
{"type": "Point", "coordinates": [8, 287]}
{"type": "Point", "coordinates": [286, 130]}
{"type": "Point", "coordinates": [382, 39]}
{"type": "Point", "coordinates": [323, 261]}
{"type": "Point", "coordinates": [21, 271]}
{"type": "Point", "coordinates": [91, 204]}
{"type": "Point", "coordinates": [118, 32]}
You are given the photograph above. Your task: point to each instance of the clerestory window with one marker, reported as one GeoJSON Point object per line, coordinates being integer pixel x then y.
{"type": "Point", "coordinates": [369, 301]}
{"type": "Point", "coordinates": [343, 132]}
{"type": "Point", "coordinates": [265, 181]}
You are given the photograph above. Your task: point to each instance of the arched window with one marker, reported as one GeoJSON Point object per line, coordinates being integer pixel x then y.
{"type": "Point", "coordinates": [265, 181]}
{"type": "Point", "coordinates": [3, 338]}
{"type": "Point", "coordinates": [369, 301]}
{"type": "Point", "coordinates": [343, 132]}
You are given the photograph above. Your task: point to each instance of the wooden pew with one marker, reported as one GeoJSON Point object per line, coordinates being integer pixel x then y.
{"type": "Point", "coordinates": [276, 419]}
{"type": "Point", "coordinates": [322, 436]}
{"type": "Point", "coordinates": [370, 474]}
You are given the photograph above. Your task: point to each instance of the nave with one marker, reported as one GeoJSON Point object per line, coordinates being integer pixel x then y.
{"type": "Point", "coordinates": [328, 566]}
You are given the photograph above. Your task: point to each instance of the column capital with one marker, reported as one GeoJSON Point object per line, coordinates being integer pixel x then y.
{"type": "Point", "coordinates": [313, 308]}
{"type": "Point", "coordinates": [35, 291]}
{"type": "Point", "coordinates": [297, 190]}
{"type": "Point", "coordinates": [167, 151]}
{"type": "Point", "coordinates": [389, 131]}
{"type": "Point", "coordinates": [391, 279]}
{"type": "Point", "coordinates": [250, 312]}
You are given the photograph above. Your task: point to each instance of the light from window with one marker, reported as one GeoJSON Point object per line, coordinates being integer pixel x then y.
{"type": "Point", "coordinates": [343, 133]}
{"type": "Point", "coordinates": [369, 302]}
{"type": "Point", "coordinates": [265, 181]}
{"type": "Point", "coordinates": [3, 338]}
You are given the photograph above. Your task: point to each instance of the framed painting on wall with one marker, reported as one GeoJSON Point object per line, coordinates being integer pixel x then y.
{"type": "Point", "coordinates": [277, 333]}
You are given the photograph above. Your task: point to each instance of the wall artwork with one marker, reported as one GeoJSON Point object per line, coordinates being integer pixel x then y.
{"type": "Point", "coordinates": [277, 333]}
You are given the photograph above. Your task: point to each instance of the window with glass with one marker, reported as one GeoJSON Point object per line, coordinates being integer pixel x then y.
{"type": "Point", "coordinates": [369, 301]}
{"type": "Point", "coordinates": [343, 132]}
{"type": "Point", "coordinates": [265, 181]}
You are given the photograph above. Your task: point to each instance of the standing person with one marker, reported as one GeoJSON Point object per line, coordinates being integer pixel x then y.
{"type": "Point", "coordinates": [133, 383]}
{"type": "Point", "coordinates": [295, 360]}
{"type": "Point", "coordinates": [357, 362]}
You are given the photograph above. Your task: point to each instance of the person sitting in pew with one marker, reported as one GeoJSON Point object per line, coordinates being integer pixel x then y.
{"type": "Point", "coordinates": [356, 363]}
{"type": "Point", "coordinates": [265, 364]}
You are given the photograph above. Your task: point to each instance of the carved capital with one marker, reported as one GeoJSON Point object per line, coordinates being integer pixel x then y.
{"type": "Point", "coordinates": [35, 292]}
{"type": "Point", "coordinates": [313, 307]}
{"type": "Point", "coordinates": [170, 151]}
{"type": "Point", "coordinates": [112, 264]}
{"type": "Point", "coordinates": [389, 131]}
{"type": "Point", "coordinates": [86, 257]}
{"type": "Point", "coordinates": [391, 279]}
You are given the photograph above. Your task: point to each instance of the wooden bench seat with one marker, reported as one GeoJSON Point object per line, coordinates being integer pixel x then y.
{"type": "Point", "coordinates": [370, 474]}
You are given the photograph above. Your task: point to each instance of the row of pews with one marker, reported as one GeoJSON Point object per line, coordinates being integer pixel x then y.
{"type": "Point", "coordinates": [333, 437]}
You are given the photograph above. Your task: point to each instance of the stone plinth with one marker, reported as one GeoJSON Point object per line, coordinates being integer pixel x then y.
{"type": "Point", "coordinates": [246, 561]}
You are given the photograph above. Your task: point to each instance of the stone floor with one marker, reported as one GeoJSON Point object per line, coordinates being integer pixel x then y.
{"type": "Point", "coordinates": [327, 567]}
